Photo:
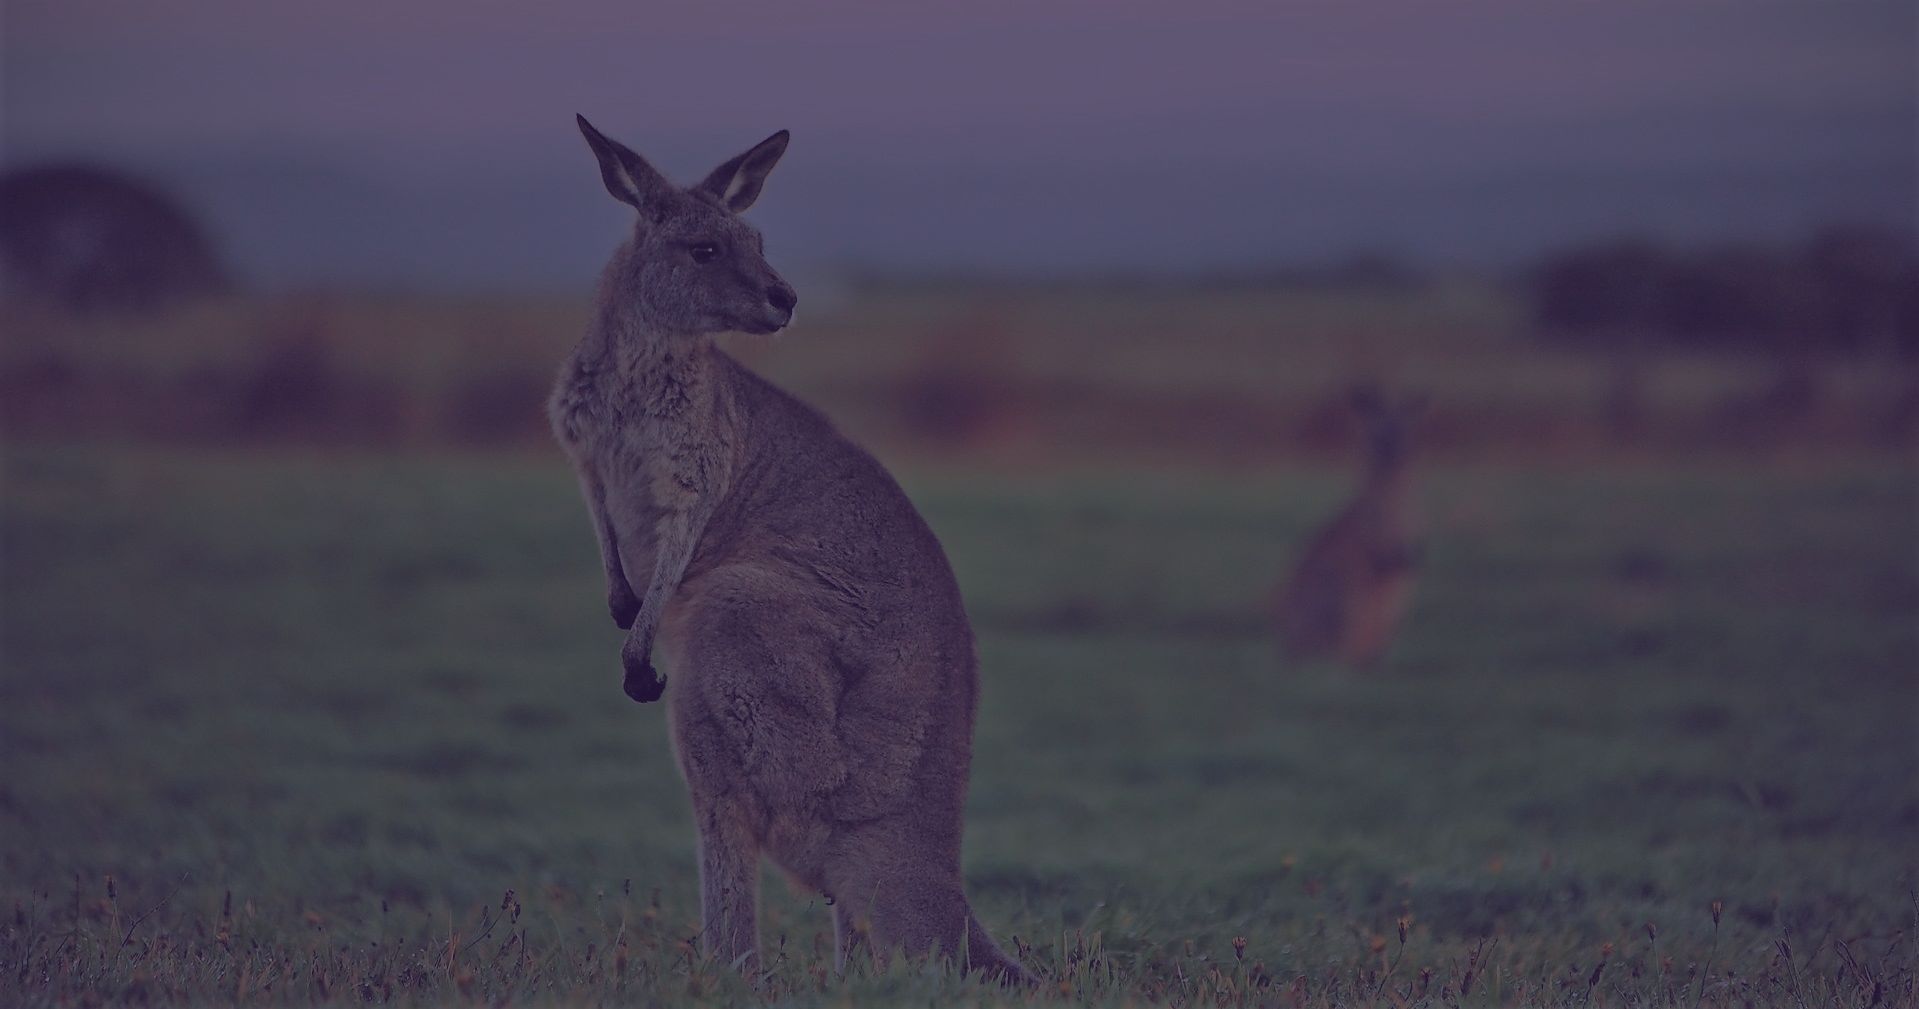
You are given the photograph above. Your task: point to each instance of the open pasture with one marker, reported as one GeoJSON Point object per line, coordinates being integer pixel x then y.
{"type": "Point", "coordinates": [300, 727]}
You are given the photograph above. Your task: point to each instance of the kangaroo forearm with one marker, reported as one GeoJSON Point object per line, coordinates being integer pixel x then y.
{"type": "Point", "coordinates": [616, 580]}
{"type": "Point", "coordinates": [622, 603]}
{"type": "Point", "coordinates": [676, 537]}
{"type": "Point", "coordinates": [595, 494]}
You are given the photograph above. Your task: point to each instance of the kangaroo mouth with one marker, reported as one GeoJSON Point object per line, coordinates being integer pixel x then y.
{"type": "Point", "coordinates": [765, 325]}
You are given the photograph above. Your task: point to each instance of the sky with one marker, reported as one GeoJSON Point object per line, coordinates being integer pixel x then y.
{"type": "Point", "coordinates": [431, 144]}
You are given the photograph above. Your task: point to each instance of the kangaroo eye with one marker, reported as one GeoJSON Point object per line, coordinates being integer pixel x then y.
{"type": "Point", "coordinates": [703, 252]}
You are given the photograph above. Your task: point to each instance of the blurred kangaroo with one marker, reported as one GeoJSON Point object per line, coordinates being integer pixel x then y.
{"type": "Point", "coordinates": [823, 714]}
{"type": "Point", "coordinates": [1355, 578]}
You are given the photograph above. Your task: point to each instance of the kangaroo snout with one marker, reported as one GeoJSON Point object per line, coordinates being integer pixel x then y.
{"type": "Point", "coordinates": [768, 304]}
{"type": "Point", "coordinates": [780, 295]}
{"type": "Point", "coordinates": [777, 310]}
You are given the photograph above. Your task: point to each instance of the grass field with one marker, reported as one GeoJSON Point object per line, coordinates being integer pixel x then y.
{"type": "Point", "coordinates": [297, 728]}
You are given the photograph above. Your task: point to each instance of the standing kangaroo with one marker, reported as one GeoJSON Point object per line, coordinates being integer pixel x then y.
{"type": "Point", "coordinates": [1352, 584]}
{"type": "Point", "coordinates": [826, 677]}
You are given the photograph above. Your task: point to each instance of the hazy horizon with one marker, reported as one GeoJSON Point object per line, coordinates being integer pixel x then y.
{"type": "Point", "coordinates": [433, 146]}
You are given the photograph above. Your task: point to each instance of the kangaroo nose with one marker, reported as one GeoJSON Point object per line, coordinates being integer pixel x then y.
{"type": "Point", "coordinates": [782, 297]}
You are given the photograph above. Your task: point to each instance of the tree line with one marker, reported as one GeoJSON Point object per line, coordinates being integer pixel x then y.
{"type": "Point", "coordinates": [1845, 289]}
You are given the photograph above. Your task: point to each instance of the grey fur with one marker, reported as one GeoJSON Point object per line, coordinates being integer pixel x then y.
{"type": "Point", "coordinates": [1354, 581]}
{"type": "Point", "coordinates": [825, 676]}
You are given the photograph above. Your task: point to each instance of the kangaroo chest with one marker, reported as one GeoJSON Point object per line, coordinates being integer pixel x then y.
{"type": "Point", "coordinates": [658, 470]}
{"type": "Point", "coordinates": [662, 457]}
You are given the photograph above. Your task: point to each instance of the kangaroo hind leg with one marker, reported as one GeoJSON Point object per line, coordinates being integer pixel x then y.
{"type": "Point", "coordinates": [729, 888]}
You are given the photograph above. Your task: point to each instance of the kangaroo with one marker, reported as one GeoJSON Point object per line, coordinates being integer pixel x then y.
{"type": "Point", "coordinates": [1352, 584]}
{"type": "Point", "coordinates": [826, 680]}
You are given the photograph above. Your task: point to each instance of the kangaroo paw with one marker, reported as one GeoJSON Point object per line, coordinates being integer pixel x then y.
{"type": "Point", "coordinates": [642, 683]}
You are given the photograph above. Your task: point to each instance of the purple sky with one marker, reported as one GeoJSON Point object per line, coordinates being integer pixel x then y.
{"type": "Point", "coordinates": [433, 142]}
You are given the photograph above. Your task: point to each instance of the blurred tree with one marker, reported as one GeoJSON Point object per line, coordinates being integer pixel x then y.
{"type": "Point", "coordinates": [1848, 289]}
{"type": "Point", "coordinates": [90, 239]}
{"type": "Point", "coordinates": [1601, 292]}
{"type": "Point", "coordinates": [1740, 297]}
{"type": "Point", "coordinates": [1609, 296]}
{"type": "Point", "coordinates": [1868, 287]}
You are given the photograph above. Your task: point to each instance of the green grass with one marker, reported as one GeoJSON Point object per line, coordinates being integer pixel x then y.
{"type": "Point", "coordinates": [328, 729]}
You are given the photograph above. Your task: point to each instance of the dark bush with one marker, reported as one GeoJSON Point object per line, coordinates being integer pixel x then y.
{"type": "Point", "coordinates": [1593, 291]}
{"type": "Point", "coordinates": [1846, 289]}
{"type": "Point", "coordinates": [1868, 286]}
{"type": "Point", "coordinates": [87, 240]}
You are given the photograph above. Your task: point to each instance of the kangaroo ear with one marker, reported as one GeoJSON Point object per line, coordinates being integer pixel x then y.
{"type": "Point", "coordinates": [627, 175]}
{"type": "Point", "coordinates": [737, 183]}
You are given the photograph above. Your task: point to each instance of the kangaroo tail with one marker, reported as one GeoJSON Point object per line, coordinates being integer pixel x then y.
{"type": "Point", "coordinates": [984, 955]}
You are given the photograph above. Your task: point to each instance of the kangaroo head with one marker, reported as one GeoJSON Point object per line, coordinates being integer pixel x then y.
{"type": "Point", "coordinates": [1389, 423]}
{"type": "Point", "coordinates": [693, 266]}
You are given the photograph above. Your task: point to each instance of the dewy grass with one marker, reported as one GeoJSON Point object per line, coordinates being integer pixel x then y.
{"type": "Point", "coordinates": [301, 729]}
